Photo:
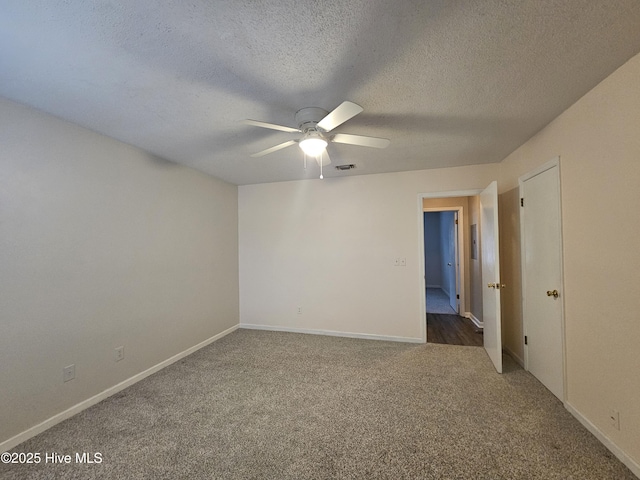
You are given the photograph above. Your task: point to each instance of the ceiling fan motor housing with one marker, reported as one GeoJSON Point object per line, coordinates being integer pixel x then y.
{"type": "Point", "coordinates": [309, 117]}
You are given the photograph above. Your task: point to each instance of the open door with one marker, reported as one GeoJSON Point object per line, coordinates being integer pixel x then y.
{"type": "Point", "coordinates": [491, 274]}
{"type": "Point", "coordinates": [453, 264]}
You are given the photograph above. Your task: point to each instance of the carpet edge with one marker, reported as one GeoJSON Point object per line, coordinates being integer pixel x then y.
{"type": "Point", "coordinates": [89, 402]}
{"type": "Point", "coordinates": [331, 333]}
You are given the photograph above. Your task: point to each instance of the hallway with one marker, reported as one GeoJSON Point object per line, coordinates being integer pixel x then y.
{"type": "Point", "coordinates": [438, 302]}
{"type": "Point", "coordinates": [445, 326]}
{"type": "Point", "coordinates": [453, 330]}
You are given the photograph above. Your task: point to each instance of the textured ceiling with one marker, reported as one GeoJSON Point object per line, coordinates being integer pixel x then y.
{"type": "Point", "coordinates": [448, 82]}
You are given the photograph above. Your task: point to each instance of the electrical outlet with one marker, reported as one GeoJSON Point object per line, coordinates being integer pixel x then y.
{"type": "Point", "coordinates": [396, 262]}
{"type": "Point", "coordinates": [69, 373]}
{"type": "Point", "coordinates": [299, 310]}
{"type": "Point", "coordinates": [119, 355]}
{"type": "Point", "coordinates": [403, 262]}
{"type": "Point", "coordinates": [614, 418]}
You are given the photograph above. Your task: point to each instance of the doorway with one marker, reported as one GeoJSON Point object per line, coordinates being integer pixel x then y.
{"type": "Point", "coordinates": [486, 222]}
{"type": "Point", "coordinates": [442, 265]}
{"type": "Point", "coordinates": [445, 257]}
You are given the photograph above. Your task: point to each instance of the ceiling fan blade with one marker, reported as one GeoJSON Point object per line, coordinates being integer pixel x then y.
{"type": "Point", "coordinates": [339, 115]}
{"type": "Point", "coordinates": [361, 140]}
{"type": "Point", "coordinates": [274, 149]}
{"type": "Point", "coordinates": [272, 126]}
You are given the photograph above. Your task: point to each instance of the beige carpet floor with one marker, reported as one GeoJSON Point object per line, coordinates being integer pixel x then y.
{"type": "Point", "coordinates": [268, 405]}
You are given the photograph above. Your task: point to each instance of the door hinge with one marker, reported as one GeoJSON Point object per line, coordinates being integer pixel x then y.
{"type": "Point", "coordinates": [458, 297]}
{"type": "Point", "coordinates": [522, 202]}
{"type": "Point", "coordinates": [456, 221]}
{"type": "Point", "coordinates": [525, 340]}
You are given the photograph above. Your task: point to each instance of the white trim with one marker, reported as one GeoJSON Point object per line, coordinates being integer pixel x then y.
{"type": "Point", "coordinates": [606, 441]}
{"type": "Point", "coordinates": [454, 193]}
{"type": "Point", "coordinates": [512, 354]}
{"type": "Point", "coordinates": [553, 163]}
{"type": "Point", "coordinates": [89, 402]}
{"type": "Point", "coordinates": [332, 333]}
{"type": "Point", "coordinates": [474, 319]}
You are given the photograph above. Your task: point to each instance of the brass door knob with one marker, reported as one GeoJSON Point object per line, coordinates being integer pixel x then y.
{"type": "Point", "coordinates": [552, 293]}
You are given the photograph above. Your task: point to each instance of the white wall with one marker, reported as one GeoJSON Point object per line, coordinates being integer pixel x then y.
{"type": "Point", "coordinates": [101, 245]}
{"type": "Point", "coordinates": [329, 246]}
{"type": "Point", "coordinates": [598, 141]}
{"type": "Point", "coordinates": [511, 274]}
{"type": "Point", "coordinates": [475, 264]}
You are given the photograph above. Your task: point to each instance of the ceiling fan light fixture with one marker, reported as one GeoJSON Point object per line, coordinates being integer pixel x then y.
{"type": "Point", "coordinates": [313, 146]}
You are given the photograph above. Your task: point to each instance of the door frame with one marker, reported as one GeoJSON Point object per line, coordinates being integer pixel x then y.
{"type": "Point", "coordinates": [420, 224]}
{"type": "Point", "coordinates": [459, 246]}
{"type": "Point", "coordinates": [554, 162]}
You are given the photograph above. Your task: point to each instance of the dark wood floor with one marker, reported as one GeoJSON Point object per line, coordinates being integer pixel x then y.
{"type": "Point", "coordinates": [452, 330]}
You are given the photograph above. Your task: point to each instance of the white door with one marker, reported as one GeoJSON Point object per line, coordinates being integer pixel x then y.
{"type": "Point", "coordinates": [542, 277]}
{"type": "Point", "coordinates": [452, 263]}
{"type": "Point", "coordinates": [491, 274]}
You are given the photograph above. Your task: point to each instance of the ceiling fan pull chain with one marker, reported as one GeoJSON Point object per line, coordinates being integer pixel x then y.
{"type": "Point", "coordinates": [305, 161]}
{"type": "Point", "coordinates": [321, 177]}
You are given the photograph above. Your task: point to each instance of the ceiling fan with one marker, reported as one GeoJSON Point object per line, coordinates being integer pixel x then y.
{"type": "Point", "coordinates": [315, 124]}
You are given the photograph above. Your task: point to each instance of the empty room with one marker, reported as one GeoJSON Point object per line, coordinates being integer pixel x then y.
{"type": "Point", "coordinates": [215, 227]}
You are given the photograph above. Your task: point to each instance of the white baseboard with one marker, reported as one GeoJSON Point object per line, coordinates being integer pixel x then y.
{"type": "Point", "coordinates": [68, 413]}
{"type": "Point", "coordinates": [606, 441]}
{"type": "Point", "coordinates": [331, 333]}
{"type": "Point", "coordinates": [515, 357]}
{"type": "Point", "coordinates": [474, 319]}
